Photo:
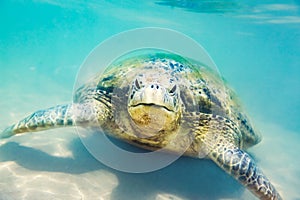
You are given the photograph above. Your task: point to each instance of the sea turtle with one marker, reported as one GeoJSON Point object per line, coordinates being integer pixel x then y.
{"type": "Point", "coordinates": [162, 100]}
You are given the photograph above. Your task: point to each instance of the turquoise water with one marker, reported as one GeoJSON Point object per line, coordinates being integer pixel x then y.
{"type": "Point", "coordinates": [43, 43]}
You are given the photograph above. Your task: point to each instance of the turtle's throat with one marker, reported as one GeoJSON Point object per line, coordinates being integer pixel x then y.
{"type": "Point", "coordinates": [151, 119]}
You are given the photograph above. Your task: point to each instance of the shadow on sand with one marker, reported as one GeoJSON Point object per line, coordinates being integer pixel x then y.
{"type": "Point", "coordinates": [187, 177]}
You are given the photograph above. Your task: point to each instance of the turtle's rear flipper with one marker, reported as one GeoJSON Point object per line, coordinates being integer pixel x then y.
{"type": "Point", "coordinates": [55, 117]}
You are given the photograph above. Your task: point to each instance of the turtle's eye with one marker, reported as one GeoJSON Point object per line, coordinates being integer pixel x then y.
{"type": "Point", "coordinates": [173, 90]}
{"type": "Point", "coordinates": [137, 85]}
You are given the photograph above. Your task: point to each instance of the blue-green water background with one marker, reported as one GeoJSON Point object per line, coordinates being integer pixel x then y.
{"type": "Point", "coordinates": [43, 43]}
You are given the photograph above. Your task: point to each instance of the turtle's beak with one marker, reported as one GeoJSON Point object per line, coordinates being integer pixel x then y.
{"type": "Point", "coordinates": [152, 104]}
{"type": "Point", "coordinates": [154, 95]}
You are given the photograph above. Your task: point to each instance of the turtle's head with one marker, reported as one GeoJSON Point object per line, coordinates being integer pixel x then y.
{"type": "Point", "coordinates": [154, 104]}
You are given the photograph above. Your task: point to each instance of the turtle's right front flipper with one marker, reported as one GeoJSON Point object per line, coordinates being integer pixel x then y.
{"type": "Point", "coordinates": [56, 117]}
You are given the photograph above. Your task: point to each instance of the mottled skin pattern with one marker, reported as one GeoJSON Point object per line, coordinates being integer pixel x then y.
{"type": "Point", "coordinates": [164, 101]}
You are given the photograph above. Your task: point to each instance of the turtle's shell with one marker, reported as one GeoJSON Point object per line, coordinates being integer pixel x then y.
{"type": "Point", "coordinates": [201, 88]}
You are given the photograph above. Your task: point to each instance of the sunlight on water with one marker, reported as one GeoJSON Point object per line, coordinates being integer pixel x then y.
{"type": "Point", "coordinates": [44, 42]}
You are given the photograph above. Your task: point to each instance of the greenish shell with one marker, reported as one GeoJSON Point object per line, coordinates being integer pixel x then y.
{"type": "Point", "coordinates": [201, 84]}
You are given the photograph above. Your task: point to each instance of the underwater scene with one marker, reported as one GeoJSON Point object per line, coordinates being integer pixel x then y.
{"type": "Point", "coordinates": [45, 46]}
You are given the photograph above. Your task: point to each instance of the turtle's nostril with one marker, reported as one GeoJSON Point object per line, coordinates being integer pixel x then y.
{"type": "Point", "coordinates": [154, 86]}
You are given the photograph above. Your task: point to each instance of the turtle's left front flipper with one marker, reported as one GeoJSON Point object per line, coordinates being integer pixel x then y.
{"type": "Point", "coordinates": [222, 141]}
{"type": "Point", "coordinates": [243, 168]}
{"type": "Point", "coordinates": [56, 117]}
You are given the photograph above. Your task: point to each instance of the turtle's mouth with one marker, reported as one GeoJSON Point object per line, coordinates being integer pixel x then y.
{"type": "Point", "coordinates": [152, 105]}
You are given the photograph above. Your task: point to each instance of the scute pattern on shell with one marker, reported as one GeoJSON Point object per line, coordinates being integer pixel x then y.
{"type": "Point", "coordinates": [201, 84]}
